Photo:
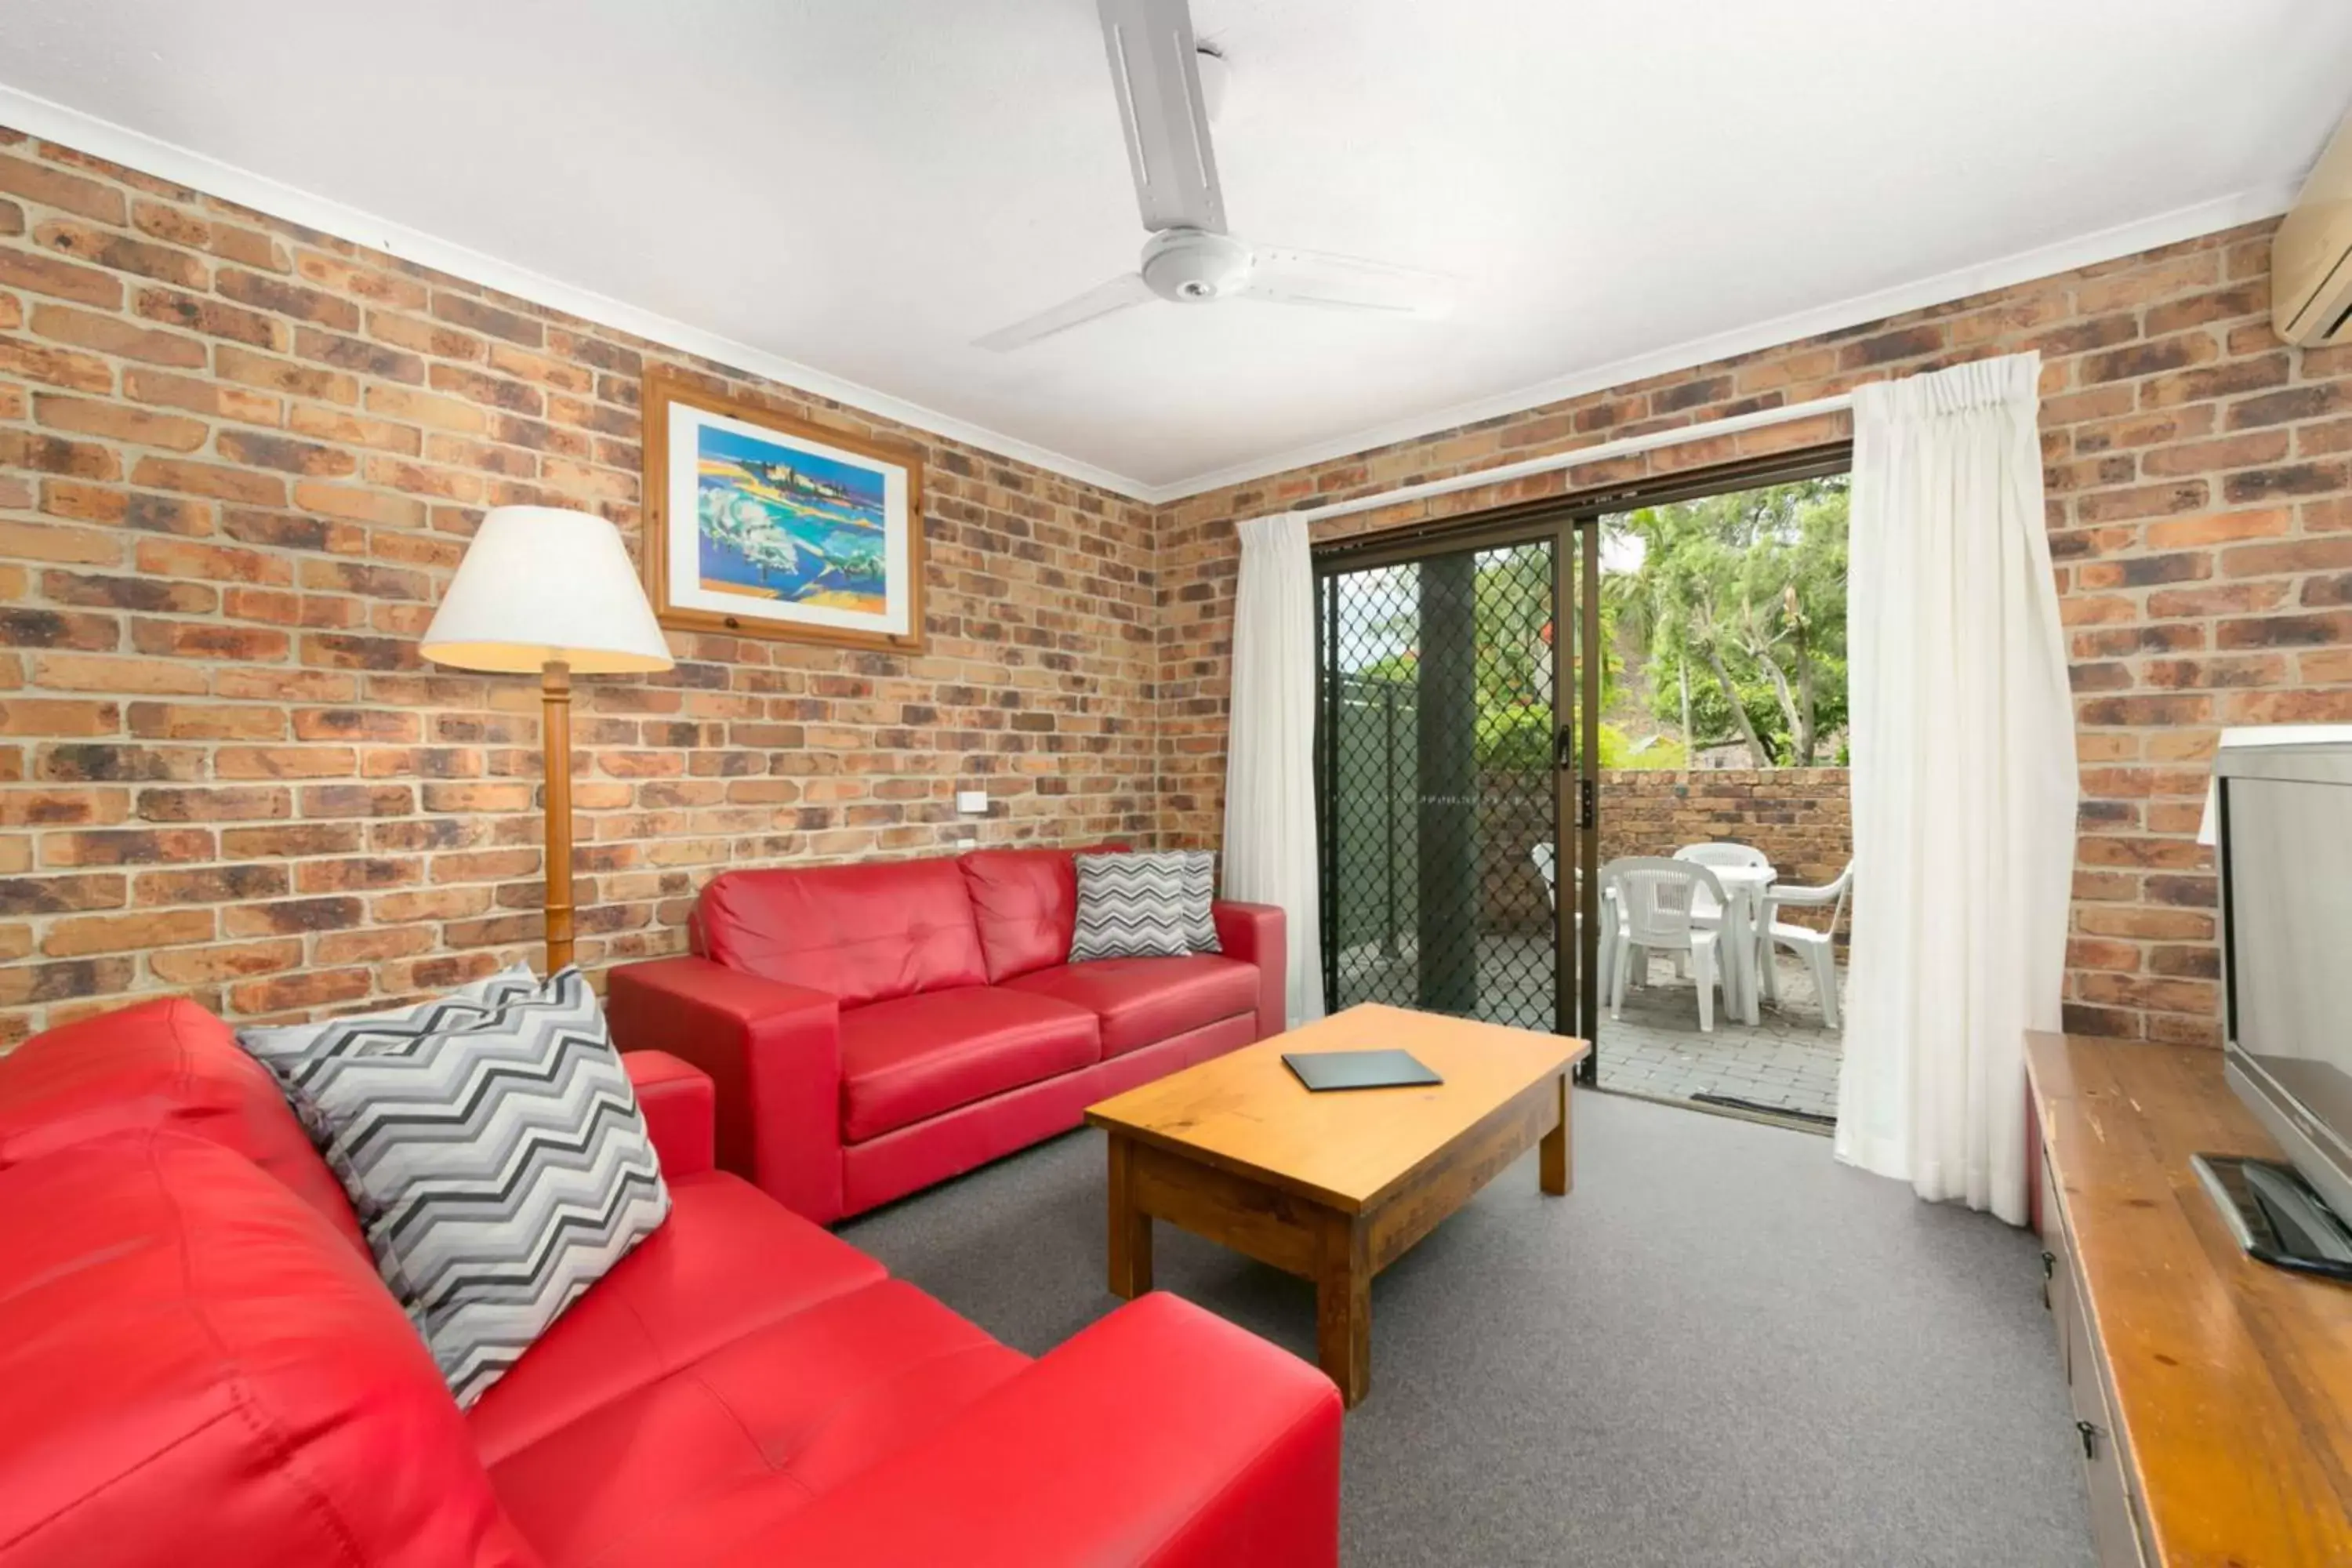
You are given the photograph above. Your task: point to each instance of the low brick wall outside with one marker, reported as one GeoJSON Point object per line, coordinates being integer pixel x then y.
{"type": "Point", "coordinates": [1800, 817]}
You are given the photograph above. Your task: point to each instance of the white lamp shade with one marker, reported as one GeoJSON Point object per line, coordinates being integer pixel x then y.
{"type": "Point", "coordinates": [540, 584]}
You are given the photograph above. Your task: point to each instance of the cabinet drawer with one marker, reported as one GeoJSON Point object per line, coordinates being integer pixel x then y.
{"type": "Point", "coordinates": [2114, 1521]}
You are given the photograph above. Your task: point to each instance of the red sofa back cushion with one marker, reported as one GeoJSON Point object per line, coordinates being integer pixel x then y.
{"type": "Point", "coordinates": [161, 1064]}
{"type": "Point", "coordinates": [863, 933]}
{"type": "Point", "coordinates": [194, 1369]}
{"type": "Point", "coordinates": [1025, 903]}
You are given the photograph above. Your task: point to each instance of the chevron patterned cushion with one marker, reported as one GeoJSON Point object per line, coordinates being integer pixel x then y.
{"type": "Point", "coordinates": [493, 1150]}
{"type": "Point", "coordinates": [1143, 906]}
{"type": "Point", "coordinates": [1200, 892]}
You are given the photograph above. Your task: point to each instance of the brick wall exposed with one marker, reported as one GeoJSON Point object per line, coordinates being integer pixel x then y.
{"type": "Point", "coordinates": [239, 458]}
{"type": "Point", "coordinates": [237, 462]}
{"type": "Point", "coordinates": [2199, 511]}
{"type": "Point", "coordinates": [1799, 816]}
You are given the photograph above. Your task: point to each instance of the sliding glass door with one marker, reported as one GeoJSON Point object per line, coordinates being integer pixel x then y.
{"type": "Point", "coordinates": [1457, 724]}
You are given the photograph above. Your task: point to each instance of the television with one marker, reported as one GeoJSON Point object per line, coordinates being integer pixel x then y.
{"type": "Point", "coordinates": [2282, 827]}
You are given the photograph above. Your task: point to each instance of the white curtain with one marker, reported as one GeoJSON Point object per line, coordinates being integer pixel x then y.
{"type": "Point", "coordinates": [1270, 759]}
{"type": "Point", "coordinates": [1964, 782]}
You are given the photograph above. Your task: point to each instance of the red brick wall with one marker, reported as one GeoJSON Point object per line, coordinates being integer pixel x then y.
{"type": "Point", "coordinates": [238, 461]}
{"type": "Point", "coordinates": [1800, 817]}
{"type": "Point", "coordinates": [2200, 510]}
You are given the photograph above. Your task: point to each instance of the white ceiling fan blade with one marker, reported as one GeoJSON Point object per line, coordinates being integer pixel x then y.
{"type": "Point", "coordinates": [1347, 282]}
{"type": "Point", "coordinates": [1121, 291]}
{"type": "Point", "coordinates": [1154, 70]}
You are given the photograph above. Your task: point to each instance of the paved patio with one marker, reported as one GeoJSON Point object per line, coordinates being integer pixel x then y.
{"type": "Point", "coordinates": [1786, 1062]}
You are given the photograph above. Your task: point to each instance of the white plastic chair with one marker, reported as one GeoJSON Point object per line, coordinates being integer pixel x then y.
{"type": "Point", "coordinates": [1714, 853]}
{"type": "Point", "coordinates": [1818, 948]}
{"type": "Point", "coordinates": [1656, 903]}
{"type": "Point", "coordinates": [1547, 859]}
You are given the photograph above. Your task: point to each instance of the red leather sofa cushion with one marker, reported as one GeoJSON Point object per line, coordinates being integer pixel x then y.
{"type": "Point", "coordinates": [914, 1057]}
{"type": "Point", "coordinates": [1026, 901]}
{"type": "Point", "coordinates": [161, 1064]}
{"type": "Point", "coordinates": [728, 1262]}
{"type": "Point", "coordinates": [1224, 1467]}
{"type": "Point", "coordinates": [194, 1370]}
{"type": "Point", "coordinates": [862, 933]}
{"type": "Point", "coordinates": [671, 1471]}
{"type": "Point", "coordinates": [1142, 1001]}
{"type": "Point", "coordinates": [892, 1164]}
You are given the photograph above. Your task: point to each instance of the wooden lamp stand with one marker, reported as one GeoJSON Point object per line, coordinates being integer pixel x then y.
{"type": "Point", "coordinates": [556, 740]}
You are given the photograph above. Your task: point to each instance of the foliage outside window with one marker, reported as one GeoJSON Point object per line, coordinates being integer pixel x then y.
{"type": "Point", "coordinates": [1734, 606]}
{"type": "Point", "coordinates": [1722, 624]}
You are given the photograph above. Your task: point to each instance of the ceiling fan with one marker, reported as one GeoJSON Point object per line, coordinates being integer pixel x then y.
{"type": "Point", "coordinates": [1190, 260]}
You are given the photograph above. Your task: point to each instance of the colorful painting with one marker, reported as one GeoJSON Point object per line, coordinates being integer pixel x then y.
{"type": "Point", "coordinates": [778, 523]}
{"type": "Point", "coordinates": [772, 528]}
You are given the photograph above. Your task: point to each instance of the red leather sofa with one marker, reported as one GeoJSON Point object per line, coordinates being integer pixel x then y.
{"type": "Point", "coordinates": [199, 1366]}
{"type": "Point", "coordinates": [876, 1029]}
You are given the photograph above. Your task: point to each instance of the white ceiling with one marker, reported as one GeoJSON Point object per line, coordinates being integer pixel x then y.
{"type": "Point", "coordinates": [860, 187]}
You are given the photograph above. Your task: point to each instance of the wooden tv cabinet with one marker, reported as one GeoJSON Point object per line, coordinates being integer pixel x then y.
{"type": "Point", "coordinates": [2212, 1394]}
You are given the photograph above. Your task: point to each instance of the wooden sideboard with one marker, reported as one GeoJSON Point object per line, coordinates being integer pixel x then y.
{"type": "Point", "coordinates": [2212, 1394]}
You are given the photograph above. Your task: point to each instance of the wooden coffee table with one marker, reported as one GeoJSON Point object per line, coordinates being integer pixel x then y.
{"type": "Point", "coordinates": [1335, 1186]}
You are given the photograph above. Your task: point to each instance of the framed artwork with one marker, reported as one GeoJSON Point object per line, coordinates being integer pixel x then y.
{"type": "Point", "coordinates": [762, 526]}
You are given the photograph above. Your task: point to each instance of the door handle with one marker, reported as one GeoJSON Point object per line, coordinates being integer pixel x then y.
{"type": "Point", "coordinates": [2090, 1436]}
{"type": "Point", "coordinates": [1563, 749]}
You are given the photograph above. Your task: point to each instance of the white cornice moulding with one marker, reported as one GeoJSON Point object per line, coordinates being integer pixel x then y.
{"type": "Point", "coordinates": [181, 166]}
{"type": "Point", "coordinates": [167, 160]}
{"type": "Point", "coordinates": [2022, 267]}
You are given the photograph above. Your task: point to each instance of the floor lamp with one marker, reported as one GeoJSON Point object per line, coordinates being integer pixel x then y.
{"type": "Point", "coordinates": [546, 590]}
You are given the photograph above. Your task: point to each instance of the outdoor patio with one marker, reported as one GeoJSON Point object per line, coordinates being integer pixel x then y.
{"type": "Point", "coordinates": [1786, 1064]}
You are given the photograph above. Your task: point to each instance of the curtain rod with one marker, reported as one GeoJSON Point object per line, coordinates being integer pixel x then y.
{"type": "Point", "coordinates": [1577, 457]}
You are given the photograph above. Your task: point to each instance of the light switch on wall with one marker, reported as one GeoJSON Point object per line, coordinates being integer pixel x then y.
{"type": "Point", "coordinates": [972, 802]}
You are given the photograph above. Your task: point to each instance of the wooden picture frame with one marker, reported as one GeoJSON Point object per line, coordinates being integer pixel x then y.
{"type": "Point", "coordinates": [777, 513]}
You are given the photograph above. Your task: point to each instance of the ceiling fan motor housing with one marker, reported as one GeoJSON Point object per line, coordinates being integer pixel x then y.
{"type": "Point", "coordinates": [1190, 265]}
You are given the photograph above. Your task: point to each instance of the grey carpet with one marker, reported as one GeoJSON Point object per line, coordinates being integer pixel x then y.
{"type": "Point", "coordinates": [1721, 1349]}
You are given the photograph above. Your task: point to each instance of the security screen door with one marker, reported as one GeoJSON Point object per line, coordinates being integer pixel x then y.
{"type": "Point", "coordinates": [1457, 716]}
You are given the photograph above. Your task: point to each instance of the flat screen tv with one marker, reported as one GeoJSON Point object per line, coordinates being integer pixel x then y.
{"type": "Point", "coordinates": [2283, 834]}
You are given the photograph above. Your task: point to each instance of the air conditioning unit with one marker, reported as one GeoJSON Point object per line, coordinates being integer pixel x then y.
{"type": "Point", "coordinates": [2311, 255]}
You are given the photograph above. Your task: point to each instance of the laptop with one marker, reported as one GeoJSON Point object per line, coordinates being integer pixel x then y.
{"type": "Point", "coordinates": [1322, 1070]}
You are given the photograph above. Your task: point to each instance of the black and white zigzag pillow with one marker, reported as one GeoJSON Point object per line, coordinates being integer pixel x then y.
{"type": "Point", "coordinates": [1200, 894]}
{"type": "Point", "coordinates": [1143, 906]}
{"type": "Point", "coordinates": [493, 1150]}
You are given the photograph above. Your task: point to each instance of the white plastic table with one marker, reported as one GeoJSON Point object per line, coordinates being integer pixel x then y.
{"type": "Point", "coordinates": [1743, 894]}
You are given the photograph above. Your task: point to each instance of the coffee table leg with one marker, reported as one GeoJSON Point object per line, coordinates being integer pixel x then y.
{"type": "Point", "coordinates": [1130, 1228]}
{"type": "Point", "coordinates": [1343, 1304]}
{"type": "Point", "coordinates": [1557, 1175]}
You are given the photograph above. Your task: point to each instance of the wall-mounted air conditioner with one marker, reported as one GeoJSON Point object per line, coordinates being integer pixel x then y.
{"type": "Point", "coordinates": [2311, 255]}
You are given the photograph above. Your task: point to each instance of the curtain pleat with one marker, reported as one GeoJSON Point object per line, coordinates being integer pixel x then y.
{"type": "Point", "coordinates": [1964, 782]}
{"type": "Point", "coordinates": [1269, 845]}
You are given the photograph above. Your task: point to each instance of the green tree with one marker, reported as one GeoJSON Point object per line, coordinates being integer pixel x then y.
{"type": "Point", "coordinates": [1739, 604]}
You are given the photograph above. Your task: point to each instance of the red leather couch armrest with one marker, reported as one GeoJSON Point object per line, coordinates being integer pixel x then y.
{"type": "Point", "coordinates": [774, 1055]}
{"type": "Point", "coordinates": [1161, 1434]}
{"type": "Point", "coordinates": [1255, 933]}
{"type": "Point", "coordinates": [679, 1106]}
